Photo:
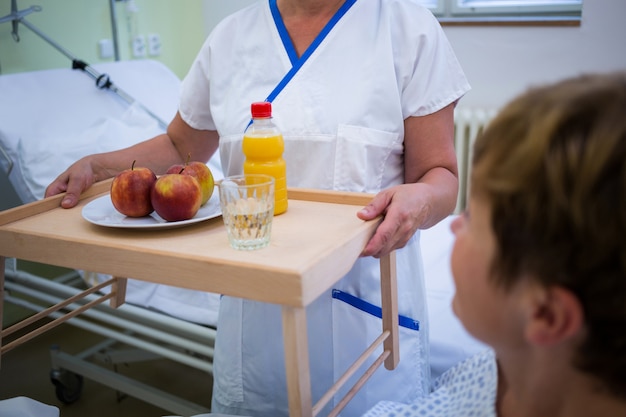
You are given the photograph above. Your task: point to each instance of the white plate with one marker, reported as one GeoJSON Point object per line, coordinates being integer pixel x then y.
{"type": "Point", "coordinates": [102, 212]}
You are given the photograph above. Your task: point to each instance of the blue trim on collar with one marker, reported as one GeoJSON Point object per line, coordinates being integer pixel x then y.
{"type": "Point", "coordinates": [282, 31]}
{"type": "Point", "coordinates": [297, 63]}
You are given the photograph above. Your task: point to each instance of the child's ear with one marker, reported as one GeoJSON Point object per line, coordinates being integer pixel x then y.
{"type": "Point", "coordinates": [556, 315]}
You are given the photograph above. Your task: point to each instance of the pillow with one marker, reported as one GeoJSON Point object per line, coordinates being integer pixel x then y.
{"type": "Point", "coordinates": [41, 161]}
{"type": "Point", "coordinates": [12, 185]}
{"type": "Point", "coordinates": [60, 108]}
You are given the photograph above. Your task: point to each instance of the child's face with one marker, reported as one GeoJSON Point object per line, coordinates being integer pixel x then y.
{"type": "Point", "coordinates": [487, 311]}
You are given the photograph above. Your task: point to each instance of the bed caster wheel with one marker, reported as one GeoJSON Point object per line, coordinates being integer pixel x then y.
{"type": "Point", "coordinates": [68, 385]}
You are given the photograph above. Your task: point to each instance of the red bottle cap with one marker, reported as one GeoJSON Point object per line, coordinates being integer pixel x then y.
{"type": "Point", "coordinates": [261, 109]}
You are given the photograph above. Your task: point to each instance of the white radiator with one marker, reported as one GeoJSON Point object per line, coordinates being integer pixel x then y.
{"type": "Point", "coordinates": [468, 123]}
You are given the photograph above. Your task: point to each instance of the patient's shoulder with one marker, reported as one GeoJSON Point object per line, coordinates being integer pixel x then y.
{"type": "Point", "coordinates": [467, 389]}
{"type": "Point", "coordinates": [480, 368]}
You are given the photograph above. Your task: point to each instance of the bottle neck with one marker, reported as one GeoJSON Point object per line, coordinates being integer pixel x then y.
{"type": "Point", "coordinates": [261, 124]}
{"type": "Point", "coordinates": [262, 120]}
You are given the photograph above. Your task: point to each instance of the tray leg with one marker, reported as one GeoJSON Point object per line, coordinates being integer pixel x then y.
{"type": "Point", "coordinates": [297, 362]}
{"type": "Point", "coordinates": [119, 288]}
{"type": "Point", "coordinates": [389, 292]}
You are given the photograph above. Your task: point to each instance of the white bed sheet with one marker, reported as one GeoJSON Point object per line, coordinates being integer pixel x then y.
{"type": "Point", "coordinates": [51, 118]}
{"type": "Point", "coordinates": [26, 407]}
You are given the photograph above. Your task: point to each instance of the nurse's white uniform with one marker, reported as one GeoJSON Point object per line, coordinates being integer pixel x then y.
{"type": "Point", "coordinates": [342, 119]}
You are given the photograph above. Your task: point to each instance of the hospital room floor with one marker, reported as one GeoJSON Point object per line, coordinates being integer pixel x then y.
{"type": "Point", "coordinates": [24, 371]}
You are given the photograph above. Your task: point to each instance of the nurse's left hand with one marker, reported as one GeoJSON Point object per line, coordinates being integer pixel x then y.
{"type": "Point", "coordinates": [403, 210]}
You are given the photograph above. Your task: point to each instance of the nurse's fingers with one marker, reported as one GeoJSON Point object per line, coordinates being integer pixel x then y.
{"type": "Point", "coordinates": [58, 186]}
{"type": "Point", "coordinates": [62, 184]}
{"type": "Point", "coordinates": [393, 233]}
{"type": "Point", "coordinates": [376, 207]}
{"type": "Point", "coordinates": [73, 182]}
{"type": "Point", "coordinates": [75, 187]}
{"type": "Point", "coordinates": [380, 241]}
{"type": "Point", "coordinates": [375, 246]}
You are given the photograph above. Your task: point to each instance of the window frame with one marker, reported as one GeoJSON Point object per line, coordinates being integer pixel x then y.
{"type": "Point", "coordinates": [482, 7]}
{"type": "Point", "coordinates": [479, 11]}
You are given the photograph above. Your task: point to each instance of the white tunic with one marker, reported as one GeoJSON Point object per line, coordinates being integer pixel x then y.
{"type": "Point", "coordinates": [342, 119]}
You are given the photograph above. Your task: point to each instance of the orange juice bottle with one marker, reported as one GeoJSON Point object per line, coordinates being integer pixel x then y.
{"type": "Point", "coordinates": [263, 147]}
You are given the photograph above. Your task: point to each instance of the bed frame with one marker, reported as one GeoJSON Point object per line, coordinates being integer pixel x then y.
{"type": "Point", "coordinates": [131, 334]}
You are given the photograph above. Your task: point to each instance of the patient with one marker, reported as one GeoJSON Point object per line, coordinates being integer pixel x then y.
{"type": "Point", "coordinates": [539, 261]}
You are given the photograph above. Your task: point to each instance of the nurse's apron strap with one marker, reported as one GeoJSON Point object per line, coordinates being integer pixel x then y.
{"type": "Point", "coordinates": [296, 62]}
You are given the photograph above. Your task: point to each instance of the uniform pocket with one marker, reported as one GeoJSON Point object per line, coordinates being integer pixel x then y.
{"type": "Point", "coordinates": [367, 159]}
{"type": "Point", "coordinates": [309, 160]}
{"type": "Point", "coordinates": [357, 323]}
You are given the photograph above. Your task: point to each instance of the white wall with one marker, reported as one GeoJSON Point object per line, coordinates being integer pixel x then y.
{"type": "Point", "coordinates": [216, 10]}
{"type": "Point", "coordinates": [502, 61]}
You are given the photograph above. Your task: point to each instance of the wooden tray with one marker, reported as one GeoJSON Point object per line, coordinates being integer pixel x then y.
{"type": "Point", "coordinates": [312, 245]}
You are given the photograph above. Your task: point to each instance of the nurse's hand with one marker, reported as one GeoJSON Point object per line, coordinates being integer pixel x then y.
{"type": "Point", "coordinates": [73, 181]}
{"type": "Point", "coordinates": [404, 209]}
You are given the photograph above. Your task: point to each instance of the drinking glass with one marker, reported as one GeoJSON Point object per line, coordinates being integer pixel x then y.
{"type": "Point", "coordinates": [247, 203]}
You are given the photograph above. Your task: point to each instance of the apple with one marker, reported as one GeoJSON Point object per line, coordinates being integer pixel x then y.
{"type": "Point", "coordinates": [131, 191]}
{"type": "Point", "coordinates": [176, 197]}
{"type": "Point", "coordinates": [201, 172]}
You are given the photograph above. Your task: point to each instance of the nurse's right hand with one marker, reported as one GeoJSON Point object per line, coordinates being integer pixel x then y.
{"type": "Point", "coordinates": [73, 181]}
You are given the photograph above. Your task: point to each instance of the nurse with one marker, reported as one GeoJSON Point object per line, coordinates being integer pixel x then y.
{"type": "Point", "coordinates": [363, 92]}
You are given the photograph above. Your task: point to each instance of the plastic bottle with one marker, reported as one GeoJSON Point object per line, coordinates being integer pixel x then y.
{"type": "Point", "coordinates": [263, 146]}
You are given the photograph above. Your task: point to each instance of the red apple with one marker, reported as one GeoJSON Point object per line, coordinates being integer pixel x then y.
{"type": "Point", "coordinates": [131, 189]}
{"type": "Point", "coordinates": [201, 172]}
{"type": "Point", "coordinates": [176, 197]}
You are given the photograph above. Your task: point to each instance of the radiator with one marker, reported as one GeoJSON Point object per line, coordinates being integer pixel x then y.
{"type": "Point", "coordinates": [468, 123]}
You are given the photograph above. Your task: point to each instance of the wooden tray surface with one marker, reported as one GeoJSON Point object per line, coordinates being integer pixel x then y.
{"type": "Point", "coordinates": [313, 244]}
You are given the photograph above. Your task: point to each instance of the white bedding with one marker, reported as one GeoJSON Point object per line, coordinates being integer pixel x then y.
{"type": "Point", "coordinates": [51, 118]}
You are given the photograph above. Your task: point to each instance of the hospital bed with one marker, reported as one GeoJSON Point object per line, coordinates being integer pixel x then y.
{"type": "Point", "coordinates": [49, 119]}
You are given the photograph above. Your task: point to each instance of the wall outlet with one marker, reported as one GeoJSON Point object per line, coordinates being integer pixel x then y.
{"type": "Point", "coordinates": [154, 44]}
{"type": "Point", "coordinates": [139, 46]}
